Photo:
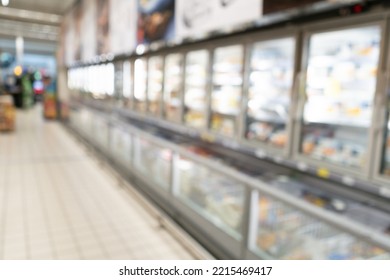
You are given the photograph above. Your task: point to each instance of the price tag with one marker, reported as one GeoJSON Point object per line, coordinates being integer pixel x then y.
{"type": "Point", "coordinates": [278, 159]}
{"type": "Point", "coordinates": [348, 180]}
{"type": "Point", "coordinates": [260, 153]}
{"type": "Point", "coordinates": [323, 173]}
{"type": "Point", "coordinates": [384, 191]}
{"type": "Point", "coordinates": [302, 166]}
{"type": "Point", "coordinates": [230, 144]}
{"type": "Point", "coordinates": [207, 137]}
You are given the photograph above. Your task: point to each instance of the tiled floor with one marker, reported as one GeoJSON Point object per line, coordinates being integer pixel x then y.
{"type": "Point", "coordinates": [56, 202]}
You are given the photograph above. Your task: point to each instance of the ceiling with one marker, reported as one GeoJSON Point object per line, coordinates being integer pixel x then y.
{"type": "Point", "coordinates": [36, 21]}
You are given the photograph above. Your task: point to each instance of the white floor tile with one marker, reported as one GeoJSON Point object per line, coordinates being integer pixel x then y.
{"type": "Point", "coordinates": [57, 202]}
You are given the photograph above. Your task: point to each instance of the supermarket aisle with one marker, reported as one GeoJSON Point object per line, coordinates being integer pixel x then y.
{"type": "Point", "coordinates": [56, 202]}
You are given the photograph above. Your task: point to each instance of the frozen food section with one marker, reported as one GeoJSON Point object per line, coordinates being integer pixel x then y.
{"type": "Point", "coordinates": [227, 89]}
{"type": "Point", "coordinates": [269, 143]}
{"type": "Point", "coordinates": [195, 92]}
{"type": "Point", "coordinates": [340, 88]}
{"type": "Point", "coordinates": [270, 90]}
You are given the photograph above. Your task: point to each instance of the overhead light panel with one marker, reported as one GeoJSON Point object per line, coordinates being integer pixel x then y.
{"type": "Point", "coordinates": [5, 2]}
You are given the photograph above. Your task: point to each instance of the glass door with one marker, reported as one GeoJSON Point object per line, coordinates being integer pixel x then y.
{"type": "Point", "coordinates": [155, 84]}
{"type": "Point", "coordinates": [140, 80]}
{"type": "Point", "coordinates": [227, 89]}
{"type": "Point", "coordinates": [270, 85]}
{"type": "Point", "coordinates": [195, 94]}
{"type": "Point", "coordinates": [173, 87]}
{"type": "Point", "coordinates": [127, 84]}
{"type": "Point", "coordinates": [340, 86]}
{"type": "Point", "coordinates": [118, 83]}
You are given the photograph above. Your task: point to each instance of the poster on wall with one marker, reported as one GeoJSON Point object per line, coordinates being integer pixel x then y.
{"type": "Point", "coordinates": [197, 17]}
{"type": "Point", "coordinates": [122, 26]}
{"type": "Point", "coordinates": [103, 26]}
{"type": "Point", "coordinates": [88, 38]}
{"type": "Point", "coordinates": [156, 21]}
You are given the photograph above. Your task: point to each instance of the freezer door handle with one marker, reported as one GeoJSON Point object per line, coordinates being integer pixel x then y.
{"type": "Point", "coordinates": [299, 96]}
{"type": "Point", "coordinates": [381, 103]}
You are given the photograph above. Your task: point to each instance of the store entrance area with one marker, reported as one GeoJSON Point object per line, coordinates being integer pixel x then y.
{"type": "Point", "coordinates": [58, 202]}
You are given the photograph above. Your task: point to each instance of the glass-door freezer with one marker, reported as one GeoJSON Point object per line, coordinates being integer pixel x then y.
{"type": "Point", "coordinates": [227, 89]}
{"type": "Point", "coordinates": [195, 93]}
{"type": "Point", "coordinates": [155, 84]}
{"type": "Point", "coordinates": [341, 78]}
{"type": "Point", "coordinates": [140, 84]}
{"type": "Point", "coordinates": [127, 84]}
{"type": "Point", "coordinates": [173, 87]}
{"type": "Point", "coordinates": [270, 86]}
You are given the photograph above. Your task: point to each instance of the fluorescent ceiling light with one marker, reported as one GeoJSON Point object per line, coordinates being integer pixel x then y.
{"type": "Point", "coordinates": [5, 2]}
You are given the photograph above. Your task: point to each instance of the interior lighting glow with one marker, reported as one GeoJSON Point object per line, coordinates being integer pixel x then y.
{"type": "Point", "coordinates": [18, 70]}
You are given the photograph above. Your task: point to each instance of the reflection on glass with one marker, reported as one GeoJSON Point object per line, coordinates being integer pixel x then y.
{"type": "Point", "coordinates": [216, 197]}
{"type": "Point", "coordinates": [155, 83]}
{"type": "Point", "coordinates": [140, 80]}
{"type": "Point", "coordinates": [173, 87]}
{"type": "Point", "coordinates": [227, 89]}
{"type": "Point", "coordinates": [127, 84]}
{"type": "Point", "coordinates": [120, 144]}
{"type": "Point", "coordinates": [270, 83]}
{"type": "Point", "coordinates": [195, 94]}
{"type": "Point", "coordinates": [286, 233]}
{"type": "Point", "coordinates": [153, 162]}
{"type": "Point", "coordinates": [340, 88]}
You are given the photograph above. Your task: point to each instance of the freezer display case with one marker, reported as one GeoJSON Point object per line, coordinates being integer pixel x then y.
{"type": "Point", "coordinates": [283, 232]}
{"type": "Point", "coordinates": [127, 84]}
{"type": "Point", "coordinates": [173, 87]}
{"type": "Point", "coordinates": [195, 93]}
{"type": "Point", "coordinates": [270, 87]}
{"type": "Point", "coordinates": [120, 144]}
{"type": "Point", "coordinates": [340, 86]}
{"type": "Point", "coordinates": [155, 84]}
{"type": "Point", "coordinates": [153, 162]}
{"type": "Point", "coordinates": [140, 84]}
{"type": "Point", "coordinates": [227, 89]}
{"type": "Point", "coordinates": [212, 195]}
